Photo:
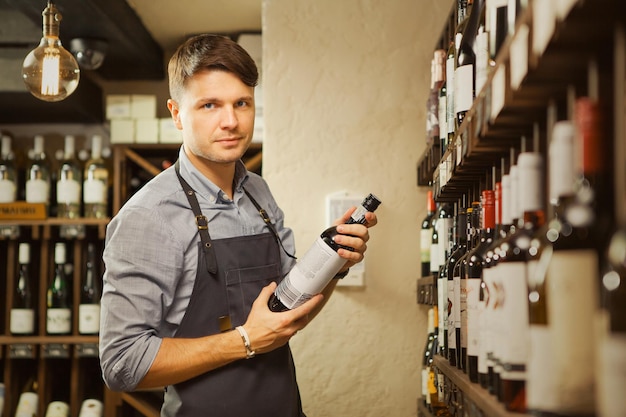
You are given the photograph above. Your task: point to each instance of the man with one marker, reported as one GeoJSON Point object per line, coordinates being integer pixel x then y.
{"type": "Point", "coordinates": [191, 262]}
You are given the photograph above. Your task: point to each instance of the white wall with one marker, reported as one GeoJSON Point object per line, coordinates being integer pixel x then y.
{"type": "Point", "coordinates": [345, 86]}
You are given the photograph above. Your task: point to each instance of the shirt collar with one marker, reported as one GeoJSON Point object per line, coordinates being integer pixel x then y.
{"type": "Point", "coordinates": [203, 186]}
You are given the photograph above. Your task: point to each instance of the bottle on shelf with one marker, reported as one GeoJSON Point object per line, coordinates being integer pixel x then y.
{"type": "Point", "coordinates": [8, 174]}
{"type": "Point", "coordinates": [59, 313]}
{"type": "Point", "coordinates": [69, 182]}
{"type": "Point", "coordinates": [96, 182]}
{"type": "Point", "coordinates": [474, 286]}
{"type": "Point", "coordinates": [454, 338]}
{"type": "Point", "coordinates": [497, 25]}
{"type": "Point", "coordinates": [91, 407]}
{"type": "Point", "coordinates": [437, 80]}
{"type": "Point", "coordinates": [89, 307]}
{"type": "Point", "coordinates": [22, 320]}
{"type": "Point", "coordinates": [513, 270]}
{"type": "Point", "coordinates": [426, 357]}
{"type": "Point", "coordinates": [58, 409]}
{"type": "Point", "coordinates": [28, 403]}
{"type": "Point", "coordinates": [461, 12]}
{"type": "Point", "coordinates": [318, 265]}
{"type": "Point", "coordinates": [38, 175]}
{"type": "Point", "coordinates": [426, 232]}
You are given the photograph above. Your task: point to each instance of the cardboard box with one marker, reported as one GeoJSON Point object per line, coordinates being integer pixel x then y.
{"type": "Point", "coordinates": [168, 133]}
{"type": "Point", "coordinates": [117, 106]}
{"type": "Point", "coordinates": [122, 131]}
{"type": "Point", "coordinates": [146, 130]}
{"type": "Point", "coordinates": [142, 106]}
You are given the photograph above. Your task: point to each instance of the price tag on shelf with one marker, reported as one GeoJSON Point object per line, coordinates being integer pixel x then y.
{"type": "Point", "coordinates": [519, 56]}
{"type": "Point", "coordinates": [544, 21]}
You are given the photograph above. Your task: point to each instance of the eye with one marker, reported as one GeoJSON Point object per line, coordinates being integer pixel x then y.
{"type": "Point", "coordinates": [243, 103]}
{"type": "Point", "coordinates": [209, 105]}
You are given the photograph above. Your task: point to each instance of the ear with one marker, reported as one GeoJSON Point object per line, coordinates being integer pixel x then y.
{"type": "Point", "coordinates": [172, 106]}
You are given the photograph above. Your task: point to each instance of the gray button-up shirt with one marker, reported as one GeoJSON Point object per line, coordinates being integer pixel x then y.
{"type": "Point", "coordinates": [151, 258]}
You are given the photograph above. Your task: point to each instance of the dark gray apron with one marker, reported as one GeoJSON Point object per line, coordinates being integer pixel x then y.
{"type": "Point", "coordinates": [231, 273]}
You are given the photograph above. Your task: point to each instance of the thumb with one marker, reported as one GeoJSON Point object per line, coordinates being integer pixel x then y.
{"type": "Point", "coordinates": [267, 292]}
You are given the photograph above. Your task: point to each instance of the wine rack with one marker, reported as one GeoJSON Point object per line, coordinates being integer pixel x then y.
{"type": "Point", "coordinates": [63, 366]}
{"type": "Point", "coordinates": [534, 74]}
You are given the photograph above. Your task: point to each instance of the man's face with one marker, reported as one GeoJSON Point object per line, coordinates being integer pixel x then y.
{"type": "Point", "coordinates": [216, 117]}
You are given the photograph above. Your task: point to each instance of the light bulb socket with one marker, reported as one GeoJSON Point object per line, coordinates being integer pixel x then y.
{"type": "Point", "coordinates": [51, 20]}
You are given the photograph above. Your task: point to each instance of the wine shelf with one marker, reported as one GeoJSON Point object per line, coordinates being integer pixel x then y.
{"type": "Point", "coordinates": [427, 291]}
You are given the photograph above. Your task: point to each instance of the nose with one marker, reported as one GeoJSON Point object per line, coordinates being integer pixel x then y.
{"type": "Point", "coordinates": [229, 118]}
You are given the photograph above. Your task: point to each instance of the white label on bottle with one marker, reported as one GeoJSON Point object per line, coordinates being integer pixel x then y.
{"type": "Point", "coordinates": [482, 60]}
{"type": "Point", "coordinates": [27, 405]}
{"type": "Point", "coordinates": [540, 381]}
{"type": "Point", "coordinates": [59, 321]}
{"type": "Point", "coordinates": [91, 408]}
{"type": "Point", "coordinates": [450, 95]}
{"type": "Point", "coordinates": [442, 307]}
{"type": "Point", "coordinates": [37, 191]}
{"type": "Point", "coordinates": [463, 88]}
{"type": "Point", "coordinates": [456, 302]}
{"type": "Point", "coordinates": [94, 191]}
{"type": "Point", "coordinates": [68, 191]}
{"type": "Point", "coordinates": [514, 326]}
{"type": "Point", "coordinates": [487, 316]}
{"type": "Point", "coordinates": [498, 84]}
{"type": "Point", "coordinates": [572, 280]}
{"type": "Point", "coordinates": [425, 241]}
{"type": "Point", "coordinates": [22, 321]}
{"type": "Point", "coordinates": [7, 191]}
{"type": "Point", "coordinates": [482, 338]}
{"type": "Point", "coordinates": [310, 275]}
{"type": "Point", "coordinates": [425, 383]}
{"type": "Point", "coordinates": [544, 20]}
{"type": "Point", "coordinates": [450, 309]}
{"type": "Point", "coordinates": [611, 371]}
{"type": "Point", "coordinates": [463, 310]}
{"type": "Point", "coordinates": [472, 289]}
{"type": "Point", "coordinates": [434, 257]}
{"type": "Point", "coordinates": [443, 226]}
{"type": "Point", "coordinates": [519, 56]}
{"type": "Point", "coordinates": [89, 318]}
{"type": "Point", "coordinates": [443, 115]}
{"type": "Point", "coordinates": [58, 409]}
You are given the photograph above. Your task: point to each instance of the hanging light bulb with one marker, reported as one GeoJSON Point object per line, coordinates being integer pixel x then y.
{"type": "Point", "coordinates": [49, 71]}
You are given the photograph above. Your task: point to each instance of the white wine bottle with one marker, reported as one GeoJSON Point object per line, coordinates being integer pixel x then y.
{"type": "Point", "coordinates": [8, 176]}
{"type": "Point", "coordinates": [29, 400]}
{"type": "Point", "coordinates": [58, 314]}
{"type": "Point", "coordinates": [318, 265]}
{"type": "Point", "coordinates": [69, 183]}
{"type": "Point", "coordinates": [89, 308]}
{"type": "Point", "coordinates": [96, 178]}
{"type": "Point", "coordinates": [91, 407]}
{"type": "Point", "coordinates": [38, 175]}
{"type": "Point", "coordinates": [58, 409]}
{"type": "Point", "coordinates": [22, 311]}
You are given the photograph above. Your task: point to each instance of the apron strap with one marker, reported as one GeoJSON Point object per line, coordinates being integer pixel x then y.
{"type": "Point", "coordinates": [201, 222]}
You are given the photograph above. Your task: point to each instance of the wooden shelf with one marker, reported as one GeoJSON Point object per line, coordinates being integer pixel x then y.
{"type": "Point", "coordinates": [144, 403]}
{"type": "Point", "coordinates": [427, 291]}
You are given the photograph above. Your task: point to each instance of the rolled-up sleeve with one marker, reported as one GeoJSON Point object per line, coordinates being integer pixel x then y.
{"type": "Point", "coordinates": [143, 264]}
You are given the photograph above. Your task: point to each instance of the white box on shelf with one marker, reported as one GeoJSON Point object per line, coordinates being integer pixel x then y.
{"type": "Point", "coordinates": [142, 106]}
{"type": "Point", "coordinates": [117, 106]}
{"type": "Point", "coordinates": [168, 133]}
{"type": "Point", "coordinates": [146, 130]}
{"type": "Point", "coordinates": [122, 131]}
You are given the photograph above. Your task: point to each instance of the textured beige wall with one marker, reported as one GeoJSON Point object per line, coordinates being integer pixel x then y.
{"type": "Point", "coordinates": [345, 84]}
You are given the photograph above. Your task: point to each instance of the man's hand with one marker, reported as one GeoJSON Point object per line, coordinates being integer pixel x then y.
{"type": "Point", "coordinates": [353, 236]}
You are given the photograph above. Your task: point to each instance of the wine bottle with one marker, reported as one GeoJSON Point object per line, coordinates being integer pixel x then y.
{"type": "Point", "coordinates": [437, 404]}
{"type": "Point", "coordinates": [58, 409]}
{"type": "Point", "coordinates": [481, 49]}
{"type": "Point", "coordinates": [460, 283]}
{"type": "Point", "coordinates": [95, 185]}
{"type": "Point", "coordinates": [426, 234]}
{"type": "Point", "coordinates": [29, 400]}
{"type": "Point", "coordinates": [59, 313]}
{"type": "Point", "coordinates": [38, 175]}
{"type": "Point", "coordinates": [426, 356]}
{"type": "Point", "coordinates": [473, 273]}
{"type": "Point", "coordinates": [69, 183]}
{"type": "Point", "coordinates": [438, 77]}
{"type": "Point", "coordinates": [464, 74]}
{"type": "Point", "coordinates": [8, 175]}
{"type": "Point", "coordinates": [91, 407]}
{"type": "Point", "coordinates": [89, 308]}
{"type": "Point", "coordinates": [23, 311]}
{"type": "Point", "coordinates": [318, 265]}
{"type": "Point", "coordinates": [513, 269]}
{"type": "Point", "coordinates": [454, 339]}
{"type": "Point", "coordinates": [561, 179]}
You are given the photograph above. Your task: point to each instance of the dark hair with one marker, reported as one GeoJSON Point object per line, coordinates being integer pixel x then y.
{"type": "Point", "coordinates": [208, 51]}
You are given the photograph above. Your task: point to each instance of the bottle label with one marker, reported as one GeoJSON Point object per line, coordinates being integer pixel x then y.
{"type": "Point", "coordinates": [68, 191]}
{"type": "Point", "coordinates": [482, 60]}
{"type": "Point", "coordinates": [425, 241]}
{"type": "Point", "coordinates": [434, 257]}
{"type": "Point", "coordinates": [59, 321]}
{"type": "Point", "coordinates": [91, 408]}
{"type": "Point", "coordinates": [27, 405]}
{"type": "Point", "coordinates": [540, 386]}
{"type": "Point", "coordinates": [22, 321]}
{"type": "Point", "coordinates": [443, 115]}
{"type": "Point", "coordinates": [450, 115]}
{"type": "Point", "coordinates": [488, 316]}
{"type": "Point", "coordinates": [94, 191]}
{"type": "Point", "coordinates": [89, 318]}
{"type": "Point", "coordinates": [572, 281]}
{"type": "Point", "coordinates": [514, 320]}
{"type": "Point", "coordinates": [310, 275]}
{"type": "Point", "coordinates": [611, 384]}
{"type": "Point", "coordinates": [37, 191]}
{"type": "Point", "coordinates": [482, 336]}
{"type": "Point", "coordinates": [7, 191]}
{"type": "Point", "coordinates": [472, 289]}
{"type": "Point", "coordinates": [463, 88]}
{"type": "Point", "coordinates": [58, 409]}
{"type": "Point", "coordinates": [442, 308]}
{"type": "Point", "coordinates": [450, 309]}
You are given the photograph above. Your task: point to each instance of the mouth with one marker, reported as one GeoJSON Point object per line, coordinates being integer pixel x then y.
{"type": "Point", "coordinates": [229, 141]}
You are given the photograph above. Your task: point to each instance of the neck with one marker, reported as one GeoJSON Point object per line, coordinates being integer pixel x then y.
{"type": "Point", "coordinates": [220, 174]}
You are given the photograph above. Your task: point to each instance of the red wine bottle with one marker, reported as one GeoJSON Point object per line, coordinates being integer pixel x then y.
{"type": "Point", "coordinates": [426, 233]}
{"type": "Point", "coordinates": [318, 265]}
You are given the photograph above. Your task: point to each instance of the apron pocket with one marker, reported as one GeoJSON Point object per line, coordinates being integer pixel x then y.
{"type": "Point", "coordinates": [243, 287]}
